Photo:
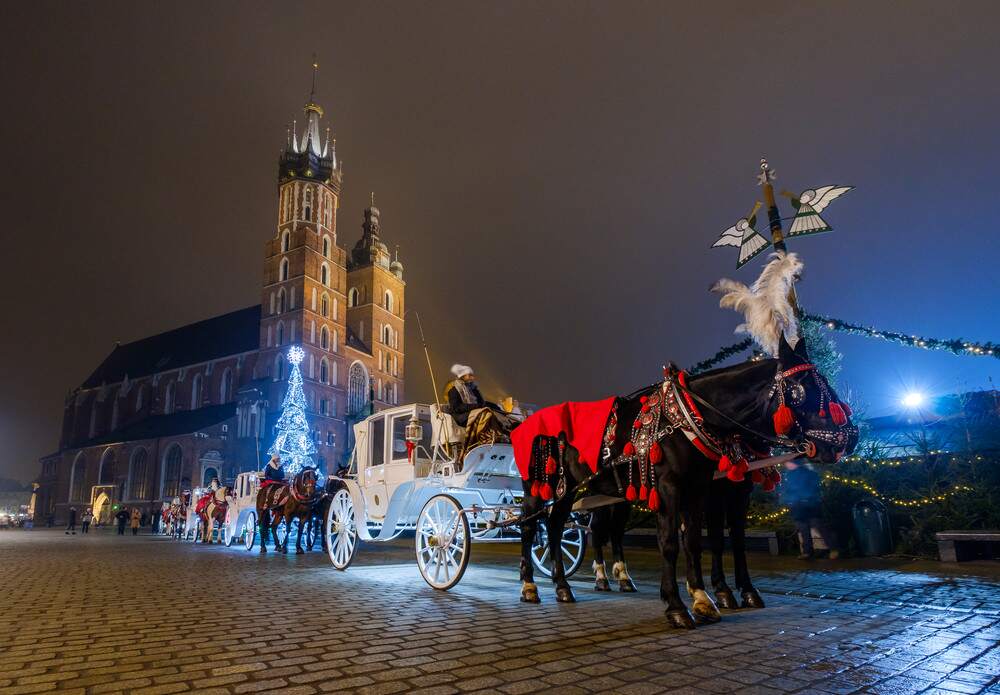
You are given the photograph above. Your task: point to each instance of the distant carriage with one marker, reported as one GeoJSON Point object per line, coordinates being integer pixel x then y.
{"type": "Point", "coordinates": [405, 474]}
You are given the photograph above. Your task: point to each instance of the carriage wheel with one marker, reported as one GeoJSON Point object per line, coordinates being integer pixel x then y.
{"type": "Point", "coordinates": [196, 535]}
{"type": "Point", "coordinates": [443, 542]}
{"type": "Point", "coordinates": [250, 531]}
{"type": "Point", "coordinates": [229, 528]}
{"type": "Point", "coordinates": [341, 532]}
{"type": "Point", "coordinates": [574, 546]}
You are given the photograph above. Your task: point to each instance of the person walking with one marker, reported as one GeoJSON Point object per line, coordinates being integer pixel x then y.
{"type": "Point", "coordinates": [800, 493]}
{"type": "Point", "coordinates": [122, 518]}
{"type": "Point", "coordinates": [71, 526]}
{"type": "Point", "coordinates": [135, 521]}
{"type": "Point", "coordinates": [85, 521]}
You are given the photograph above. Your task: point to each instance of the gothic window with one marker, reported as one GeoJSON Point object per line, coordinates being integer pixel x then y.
{"type": "Point", "coordinates": [138, 397]}
{"type": "Point", "coordinates": [168, 399]}
{"type": "Point", "coordinates": [307, 204]}
{"type": "Point", "coordinates": [279, 364]}
{"type": "Point", "coordinates": [281, 301]}
{"type": "Point", "coordinates": [314, 299]}
{"type": "Point", "coordinates": [324, 338]}
{"type": "Point", "coordinates": [196, 392]}
{"type": "Point", "coordinates": [114, 413]}
{"type": "Point", "coordinates": [326, 246]}
{"type": "Point", "coordinates": [106, 473]}
{"type": "Point", "coordinates": [280, 333]}
{"type": "Point", "coordinates": [172, 472]}
{"type": "Point", "coordinates": [336, 339]}
{"type": "Point", "coordinates": [269, 336]}
{"type": "Point", "coordinates": [335, 308]}
{"type": "Point", "coordinates": [336, 373]}
{"type": "Point", "coordinates": [272, 303]}
{"type": "Point", "coordinates": [388, 301]}
{"type": "Point", "coordinates": [322, 406]}
{"type": "Point", "coordinates": [324, 305]}
{"type": "Point", "coordinates": [357, 392]}
{"type": "Point", "coordinates": [324, 371]}
{"type": "Point", "coordinates": [352, 297]}
{"type": "Point", "coordinates": [137, 474]}
{"type": "Point", "coordinates": [78, 478]}
{"type": "Point", "coordinates": [283, 271]}
{"type": "Point", "coordinates": [324, 275]}
{"type": "Point", "coordinates": [226, 386]}
{"type": "Point", "coordinates": [285, 241]}
{"type": "Point", "coordinates": [387, 335]}
{"type": "Point", "coordinates": [312, 332]}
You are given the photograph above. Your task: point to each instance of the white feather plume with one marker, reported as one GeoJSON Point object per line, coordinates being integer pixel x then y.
{"type": "Point", "coordinates": [765, 304]}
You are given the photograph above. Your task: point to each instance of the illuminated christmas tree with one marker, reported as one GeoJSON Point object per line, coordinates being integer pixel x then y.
{"type": "Point", "coordinates": [294, 442]}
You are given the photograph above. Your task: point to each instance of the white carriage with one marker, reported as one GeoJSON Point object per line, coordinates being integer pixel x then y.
{"type": "Point", "coordinates": [192, 522]}
{"type": "Point", "coordinates": [446, 503]}
{"type": "Point", "coordinates": [241, 515]}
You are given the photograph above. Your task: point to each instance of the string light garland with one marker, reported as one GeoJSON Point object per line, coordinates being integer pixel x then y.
{"type": "Point", "coordinates": [919, 502]}
{"type": "Point", "coordinates": [771, 516]}
{"type": "Point", "coordinates": [956, 346]}
{"type": "Point", "coordinates": [722, 355]}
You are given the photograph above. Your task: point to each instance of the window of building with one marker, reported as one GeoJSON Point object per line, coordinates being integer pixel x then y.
{"type": "Point", "coordinates": [322, 406]}
{"type": "Point", "coordinates": [324, 371]}
{"type": "Point", "coordinates": [326, 246]}
{"type": "Point", "coordinates": [307, 204]}
{"type": "Point", "coordinates": [196, 392]}
{"type": "Point", "coordinates": [285, 241]}
{"type": "Point", "coordinates": [314, 299]}
{"type": "Point", "coordinates": [280, 333]}
{"type": "Point", "coordinates": [283, 270]}
{"type": "Point", "coordinates": [279, 364]}
{"type": "Point", "coordinates": [168, 399]}
{"type": "Point", "coordinates": [139, 397]}
{"type": "Point", "coordinates": [324, 305]}
{"type": "Point", "coordinates": [312, 332]}
{"type": "Point", "coordinates": [353, 296]}
{"type": "Point", "coordinates": [324, 338]}
{"type": "Point", "coordinates": [114, 413]}
{"type": "Point", "coordinates": [172, 461]}
{"type": "Point", "coordinates": [78, 478]}
{"type": "Point", "coordinates": [357, 393]}
{"type": "Point", "coordinates": [137, 475]}
{"type": "Point", "coordinates": [329, 438]}
{"type": "Point", "coordinates": [324, 275]}
{"type": "Point", "coordinates": [226, 386]}
{"type": "Point", "coordinates": [389, 304]}
{"type": "Point", "coordinates": [106, 472]}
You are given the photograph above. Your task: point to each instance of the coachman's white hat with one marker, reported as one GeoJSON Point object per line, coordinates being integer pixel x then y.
{"type": "Point", "coordinates": [460, 370]}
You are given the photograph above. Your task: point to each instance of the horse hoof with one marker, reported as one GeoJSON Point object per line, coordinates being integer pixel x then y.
{"type": "Point", "coordinates": [602, 585]}
{"type": "Point", "coordinates": [300, 551]}
{"type": "Point", "coordinates": [680, 619]}
{"type": "Point", "coordinates": [565, 595]}
{"type": "Point", "coordinates": [626, 586]}
{"type": "Point", "coordinates": [726, 599]}
{"type": "Point", "coordinates": [263, 550]}
{"type": "Point", "coordinates": [751, 599]}
{"type": "Point", "coordinates": [529, 593]}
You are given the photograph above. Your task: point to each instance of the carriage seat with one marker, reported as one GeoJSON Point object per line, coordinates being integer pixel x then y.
{"type": "Point", "coordinates": [444, 430]}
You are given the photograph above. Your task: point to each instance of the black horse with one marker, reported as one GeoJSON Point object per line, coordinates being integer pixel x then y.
{"type": "Point", "coordinates": [727, 506]}
{"type": "Point", "coordinates": [738, 403]}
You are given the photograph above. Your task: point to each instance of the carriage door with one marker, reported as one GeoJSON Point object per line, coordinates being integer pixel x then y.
{"type": "Point", "coordinates": [374, 483]}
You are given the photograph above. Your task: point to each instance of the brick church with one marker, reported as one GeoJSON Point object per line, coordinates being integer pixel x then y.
{"type": "Point", "coordinates": [169, 412]}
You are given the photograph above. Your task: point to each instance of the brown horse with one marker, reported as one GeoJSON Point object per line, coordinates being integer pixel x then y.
{"type": "Point", "coordinates": [279, 502]}
{"type": "Point", "coordinates": [214, 510]}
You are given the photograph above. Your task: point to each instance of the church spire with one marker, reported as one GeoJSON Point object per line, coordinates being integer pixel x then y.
{"type": "Point", "coordinates": [308, 154]}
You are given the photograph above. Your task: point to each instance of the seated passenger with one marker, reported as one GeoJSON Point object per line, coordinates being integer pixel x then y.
{"type": "Point", "coordinates": [274, 472]}
{"type": "Point", "coordinates": [483, 421]}
{"type": "Point", "coordinates": [462, 394]}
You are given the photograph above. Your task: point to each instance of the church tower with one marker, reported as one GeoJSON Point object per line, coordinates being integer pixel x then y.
{"type": "Point", "coordinates": [304, 300]}
{"type": "Point", "coordinates": [375, 308]}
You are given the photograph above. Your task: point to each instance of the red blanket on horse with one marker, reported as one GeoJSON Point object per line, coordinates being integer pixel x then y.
{"type": "Point", "coordinates": [203, 501]}
{"type": "Point", "coordinates": [583, 424]}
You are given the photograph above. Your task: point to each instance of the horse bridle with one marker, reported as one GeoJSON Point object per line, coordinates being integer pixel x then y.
{"type": "Point", "coordinates": [795, 395]}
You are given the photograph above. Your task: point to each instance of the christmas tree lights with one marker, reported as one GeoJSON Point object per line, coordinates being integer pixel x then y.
{"type": "Point", "coordinates": [294, 442]}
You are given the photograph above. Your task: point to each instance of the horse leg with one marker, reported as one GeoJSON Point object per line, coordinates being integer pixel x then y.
{"type": "Point", "coordinates": [529, 507]}
{"type": "Point", "coordinates": [264, 520]}
{"type": "Point", "coordinates": [619, 518]}
{"type": "Point", "coordinates": [737, 533]}
{"type": "Point", "coordinates": [556, 526]}
{"type": "Point", "coordinates": [715, 518]}
{"type": "Point", "coordinates": [667, 538]}
{"type": "Point", "coordinates": [704, 607]}
{"type": "Point", "coordinates": [298, 539]}
{"type": "Point", "coordinates": [278, 518]}
{"type": "Point", "coordinates": [599, 536]}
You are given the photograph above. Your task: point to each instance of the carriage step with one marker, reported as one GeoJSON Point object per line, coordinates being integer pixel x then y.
{"type": "Point", "coordinates": [595, 501]}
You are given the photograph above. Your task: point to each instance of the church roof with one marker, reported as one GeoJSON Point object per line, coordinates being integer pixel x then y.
{"type": "Point", "coordinates": [156, 426]}
{"type": "Point", "coordinates": [230, 334]}
{"type": "Point", "coordinates": [355, 342]}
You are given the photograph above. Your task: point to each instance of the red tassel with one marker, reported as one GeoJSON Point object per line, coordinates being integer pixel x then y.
{"type": "Point", "coordinates": [838, 415]}
{"type": "Point", "coordinates": [645, 408]}
{"type": "Point", "coordinates": [550, 466]}
{"type": "Point", "coordinates": [768, 485]}
{"type": "Point", "coordinates": [643, 493]}
{"type": "Point", "coordinates": [546, 492]}
{"type": "Point", "coordinates": [822, 412]}
{"type": "Point", "coordinates": [654, 500]}
{"type": "Point", "coordinates": [630, 493]}
{"type": "Point", "coordinates": [643, 399]}
{"type": "Point", "coordinates": [783, 419]}
{"type": "Point", "coordinates": [735, 474]}
{"type": "Point", "coordinates": [847, 409]}
{"type": "Point", "coordinates": [629, 449]}
{"type": "Point", "coordinates": [725, 463]}
{"type": "Point", "coordinates": [636, 425]}
{"type": "Point", "coordinates": [534, 488]}
{"type": "Point", "coordinates": [655, 453]}
{"type": "Point", "coordinates": [757, 477]}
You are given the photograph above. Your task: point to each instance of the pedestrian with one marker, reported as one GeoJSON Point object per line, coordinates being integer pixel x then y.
{"type": "Point", "coordinates": [136, 518]}
{"type": "Point", "coordinates": [85, 520]}
{"type": "Point", "coordinates": [71, 526]}
{"type": "Point", "coordinates": [800, 493]}
{"type": "Point", "coordinates": [122, 518]}
{"type": "Point", "coordinates": [154, 523]}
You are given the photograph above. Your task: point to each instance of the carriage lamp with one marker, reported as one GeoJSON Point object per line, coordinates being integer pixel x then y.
{"type": "Point", "coordinates": [414, 433]}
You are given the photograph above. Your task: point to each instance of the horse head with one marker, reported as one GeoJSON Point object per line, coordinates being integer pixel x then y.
{"type": "Point", "coordinates": [305, 482]}
{"type": "Point", "coordinates": [807, 410]}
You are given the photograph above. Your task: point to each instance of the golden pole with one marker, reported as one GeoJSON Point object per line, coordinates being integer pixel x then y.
{"type": "Point", "coordinates": [774, 219]}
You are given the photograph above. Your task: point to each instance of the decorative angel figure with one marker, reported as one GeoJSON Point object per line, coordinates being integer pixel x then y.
{"type": "Point", "coordinates": [808, 205]}
{"type": "Point", "coordinates": [744, 234]}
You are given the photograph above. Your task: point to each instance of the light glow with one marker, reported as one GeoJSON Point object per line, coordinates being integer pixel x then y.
{"type": "Point", "coordinates": [913, 399]}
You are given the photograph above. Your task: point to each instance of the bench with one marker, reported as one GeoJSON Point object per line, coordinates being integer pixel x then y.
{"type": "Point", "coordinates": [960, 546]}
{"type": "Point", "coordinates": [756, 539]}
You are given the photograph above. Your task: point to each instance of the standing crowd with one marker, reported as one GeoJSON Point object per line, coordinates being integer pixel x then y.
{"type": "Point", "coordinates": [132, 518]}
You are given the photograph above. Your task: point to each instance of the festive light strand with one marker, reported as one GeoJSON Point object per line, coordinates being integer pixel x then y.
{"type": "Point", "coordinates": [956, 346]}
{"type": "Point", "coordinates": [722, 355]}
{"type": "Point", "coordinates": [765, 518]}
{"type": "Point", "coordinates": [919, 502]}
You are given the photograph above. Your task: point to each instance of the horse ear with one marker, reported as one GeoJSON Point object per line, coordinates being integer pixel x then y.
{"type": "Point", "coordinates": [785, 351]}
{"type": "Point", "coordinates": [801, 350]}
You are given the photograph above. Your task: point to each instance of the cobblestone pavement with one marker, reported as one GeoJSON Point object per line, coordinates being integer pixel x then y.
{"type": "Point", "coordinates": [104, 614]}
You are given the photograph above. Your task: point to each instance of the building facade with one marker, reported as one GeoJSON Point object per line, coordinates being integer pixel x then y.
{"type": "Point", "coordinates": [171, 411]}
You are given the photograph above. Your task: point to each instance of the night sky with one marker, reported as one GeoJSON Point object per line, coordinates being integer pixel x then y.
{"type": "Point", "coordinates": [554, 174]}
